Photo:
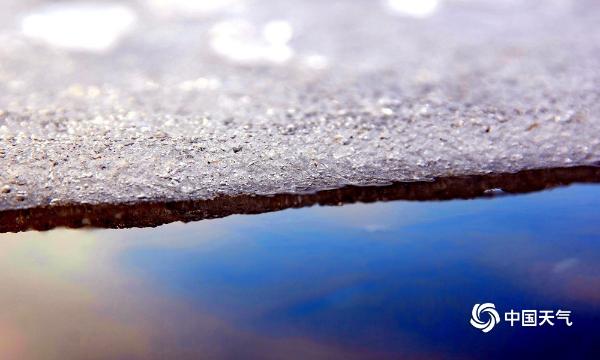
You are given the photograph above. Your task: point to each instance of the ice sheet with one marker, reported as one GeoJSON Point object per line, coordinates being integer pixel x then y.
{"type": "Point", "coordinates": [154, 100]}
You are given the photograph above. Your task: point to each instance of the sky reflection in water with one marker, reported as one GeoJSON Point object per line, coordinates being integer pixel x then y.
{"type": "Point", "coordinates": [365, 280]}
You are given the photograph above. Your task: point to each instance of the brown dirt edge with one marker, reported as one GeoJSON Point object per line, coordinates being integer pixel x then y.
{"type": "Point", "coordinates": [155, 213]}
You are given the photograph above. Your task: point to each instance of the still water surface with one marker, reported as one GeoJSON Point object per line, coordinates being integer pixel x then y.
{"type": "Point", "coordinates": [383, 280]}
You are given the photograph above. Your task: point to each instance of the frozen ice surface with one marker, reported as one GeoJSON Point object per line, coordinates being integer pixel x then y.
{"type": "Point", "coordinates": [190, 100]}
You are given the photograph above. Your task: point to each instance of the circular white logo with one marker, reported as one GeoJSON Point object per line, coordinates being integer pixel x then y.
{"type": "Point", "coordinates": [492, 320]}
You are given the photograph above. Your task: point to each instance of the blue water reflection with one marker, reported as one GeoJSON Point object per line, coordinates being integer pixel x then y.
{"type": "Point", "coordinates": [399, 277]}
{"type": "Point", "coordinates": [382, 280]}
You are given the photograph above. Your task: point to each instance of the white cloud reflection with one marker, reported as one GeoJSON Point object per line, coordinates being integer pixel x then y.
{"type": "Point", "coordinates": [242, 42]}
{"type": "Point", "coordinates": [93, 27]}
{"type": "Point", "coordinates": [414, 8]}
{"type": "Point", "coordinates": [194, 8]}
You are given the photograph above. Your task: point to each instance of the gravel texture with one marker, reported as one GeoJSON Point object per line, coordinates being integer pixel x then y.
{"type": "Point", "coordinates": [154, 100]}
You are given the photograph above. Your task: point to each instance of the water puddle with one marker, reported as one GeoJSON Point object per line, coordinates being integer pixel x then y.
{"type": "Point", "coordinates": [380, 280]}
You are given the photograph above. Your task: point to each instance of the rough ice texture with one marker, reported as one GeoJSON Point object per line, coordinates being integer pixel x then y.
{"type": "Point", "coordinates": [180, 108]}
